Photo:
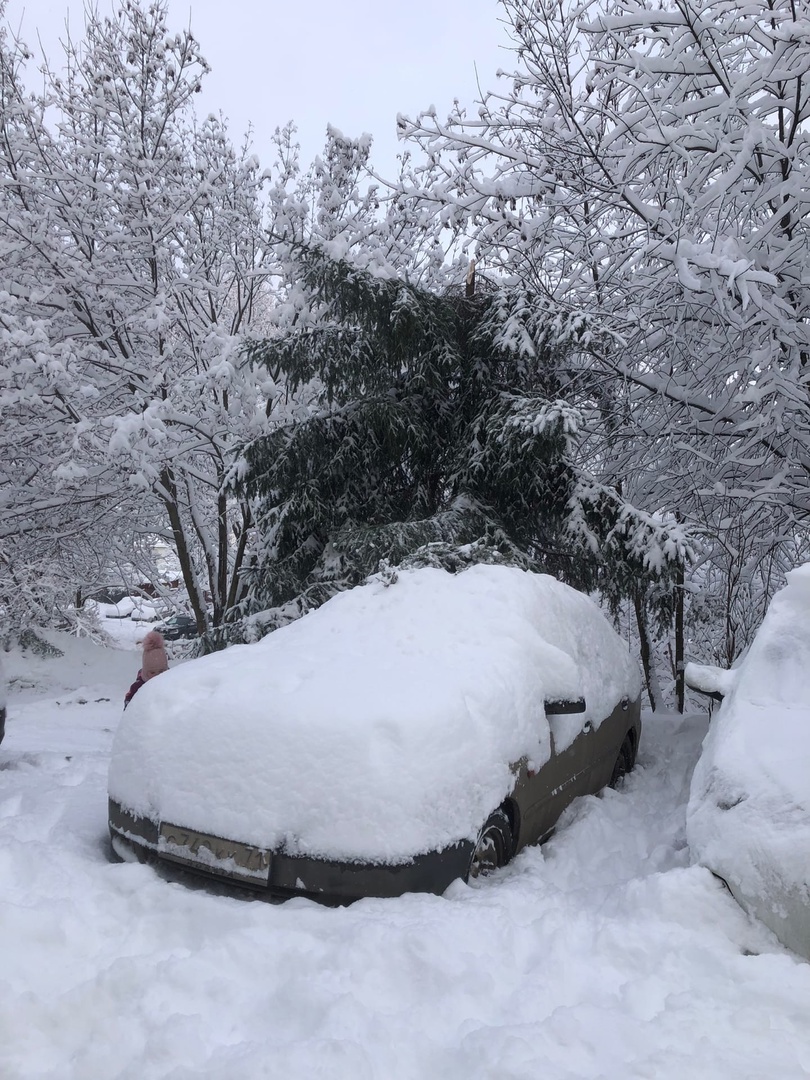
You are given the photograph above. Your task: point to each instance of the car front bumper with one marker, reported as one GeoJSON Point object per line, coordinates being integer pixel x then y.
{"type": "Point", "coordinates": [277, 874]}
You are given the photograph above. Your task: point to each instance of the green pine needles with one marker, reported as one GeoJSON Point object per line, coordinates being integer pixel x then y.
{"type": "Point", "coordinates": [447, 431]}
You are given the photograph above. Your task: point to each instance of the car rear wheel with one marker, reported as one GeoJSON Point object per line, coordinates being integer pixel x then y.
{"type": "Point", "coordinates": [493, 848]}
{"type": "Point", "coordinates": [624, 763]}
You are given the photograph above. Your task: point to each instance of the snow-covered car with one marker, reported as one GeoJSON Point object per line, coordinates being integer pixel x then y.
{"type": "Point", "coordinates": [748, 817]}
{"type": "Point", "coordinates": [403, 735]}
{"type": "Point", "coordinates": [178, 626]}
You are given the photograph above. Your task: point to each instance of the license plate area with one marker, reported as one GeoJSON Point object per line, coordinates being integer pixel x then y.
{"type": "Point", "coordinates": [223, 858]}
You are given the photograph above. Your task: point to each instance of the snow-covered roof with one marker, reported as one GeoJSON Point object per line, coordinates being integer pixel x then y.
{"type": "Point", "coordinates": [377, 727]}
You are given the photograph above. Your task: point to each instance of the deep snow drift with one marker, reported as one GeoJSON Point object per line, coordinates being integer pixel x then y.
{"type": "Point", "coordinates": [602, 954]}
{"type": "Point", "coordinates": [749, 810]}
{"type": "Point", "coordinates": [378, 727]}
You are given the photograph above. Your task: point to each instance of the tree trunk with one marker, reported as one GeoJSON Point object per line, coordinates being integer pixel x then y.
{"type": "Point", "coordinates": [679, 683]}
{"type": "Point", "coordinates": [646, 650]}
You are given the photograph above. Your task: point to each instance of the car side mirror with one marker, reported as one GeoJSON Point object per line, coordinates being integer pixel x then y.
{"type": "Point", "coordinates": [558, 707]}
{"type": "Point", "coordinates": [714, 682]}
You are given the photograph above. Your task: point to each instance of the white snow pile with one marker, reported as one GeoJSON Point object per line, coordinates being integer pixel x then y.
{"type": "Point", "coordinates": [378, 727]}
{"type": "Point", "coordinates": [601, 955]}
{"type": "Point", "coordinates": [749, 810]}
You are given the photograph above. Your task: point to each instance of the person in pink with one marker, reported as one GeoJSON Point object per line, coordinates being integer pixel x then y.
{"type": "Point", "coordinates": [154, 663]}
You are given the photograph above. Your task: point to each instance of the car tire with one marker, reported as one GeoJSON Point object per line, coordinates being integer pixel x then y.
{"type": "Point", "coordinates": [493, 848]}
{"type": "Point", "coordinates": [624, 763]}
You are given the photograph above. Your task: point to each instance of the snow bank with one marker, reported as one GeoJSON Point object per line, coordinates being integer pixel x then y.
{"type": "Point", "coordinates": [378, 727]}
{"type": "Point", "coordinates": [30, 674]}
{"type": "Point", "coordinates": [748, 817]}
{"type": "Point", "coordinates": [599, 955]}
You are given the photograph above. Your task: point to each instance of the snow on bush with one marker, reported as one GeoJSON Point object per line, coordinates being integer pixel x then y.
{"type": "Point", "coordinates": [381, 725]}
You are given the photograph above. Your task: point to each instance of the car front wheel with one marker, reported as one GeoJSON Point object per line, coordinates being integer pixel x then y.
{"type": "Point", "coordinates": [493, 848]}
{"type": "Point", "coordinates": [624, 763]}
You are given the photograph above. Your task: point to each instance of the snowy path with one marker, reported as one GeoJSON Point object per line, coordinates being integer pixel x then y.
{"type": "Point", "coordinates": [603, 954]}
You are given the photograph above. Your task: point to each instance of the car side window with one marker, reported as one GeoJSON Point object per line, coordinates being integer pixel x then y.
{"type": "Point", "coordinates": [566, 724]}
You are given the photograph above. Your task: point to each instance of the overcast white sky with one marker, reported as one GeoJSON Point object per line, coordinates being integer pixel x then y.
{"type": "Point", "coordinates": [352, 63]}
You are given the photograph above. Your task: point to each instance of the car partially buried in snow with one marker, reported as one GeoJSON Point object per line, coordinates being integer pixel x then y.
{"type": "Point", "coordinates": [178, 626]}
{"type": "Point", "coordinates": [748, 817]}
{"type": "Point", "coordinates": [405, 734]}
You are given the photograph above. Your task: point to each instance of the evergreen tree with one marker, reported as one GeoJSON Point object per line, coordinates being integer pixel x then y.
{"type": "Point", "coordinates": [447, 433]}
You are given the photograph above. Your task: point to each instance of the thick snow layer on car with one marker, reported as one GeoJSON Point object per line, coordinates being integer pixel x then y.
{"type": "Point", "coordinates": [378, 727]}
{"type": "Point", "coordinates": [122, 610]}
{"type": "Point", "coordinates": [749, 808]}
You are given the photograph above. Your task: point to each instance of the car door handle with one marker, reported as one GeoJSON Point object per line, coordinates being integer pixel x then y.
{"type": "Point", "coordinates": [587, 726]}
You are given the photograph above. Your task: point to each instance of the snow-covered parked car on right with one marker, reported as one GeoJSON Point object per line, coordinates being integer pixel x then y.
{"type": "Point", "coordinates": [748, 818]}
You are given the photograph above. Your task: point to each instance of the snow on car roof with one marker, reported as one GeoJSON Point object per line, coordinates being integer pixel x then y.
{"type": "Point", "coordinates": [379, 726]}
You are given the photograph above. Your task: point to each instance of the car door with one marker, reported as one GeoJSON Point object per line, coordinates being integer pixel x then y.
{"type": "Point", "coordinates": [542, 794]}
{"type": "Point", "coordinates": [608, 739]}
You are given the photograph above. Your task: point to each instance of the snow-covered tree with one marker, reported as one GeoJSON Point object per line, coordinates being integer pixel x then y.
{"type": "Point", "coordinates": [647, 166]}
{"type": "Point", "coordinates": [448, 432]}
{"type": "Point", "coordinates": [132, 259]}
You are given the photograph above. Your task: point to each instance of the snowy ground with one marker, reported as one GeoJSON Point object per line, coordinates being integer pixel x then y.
{"type": "Point", "coordinates": [603, 954]}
